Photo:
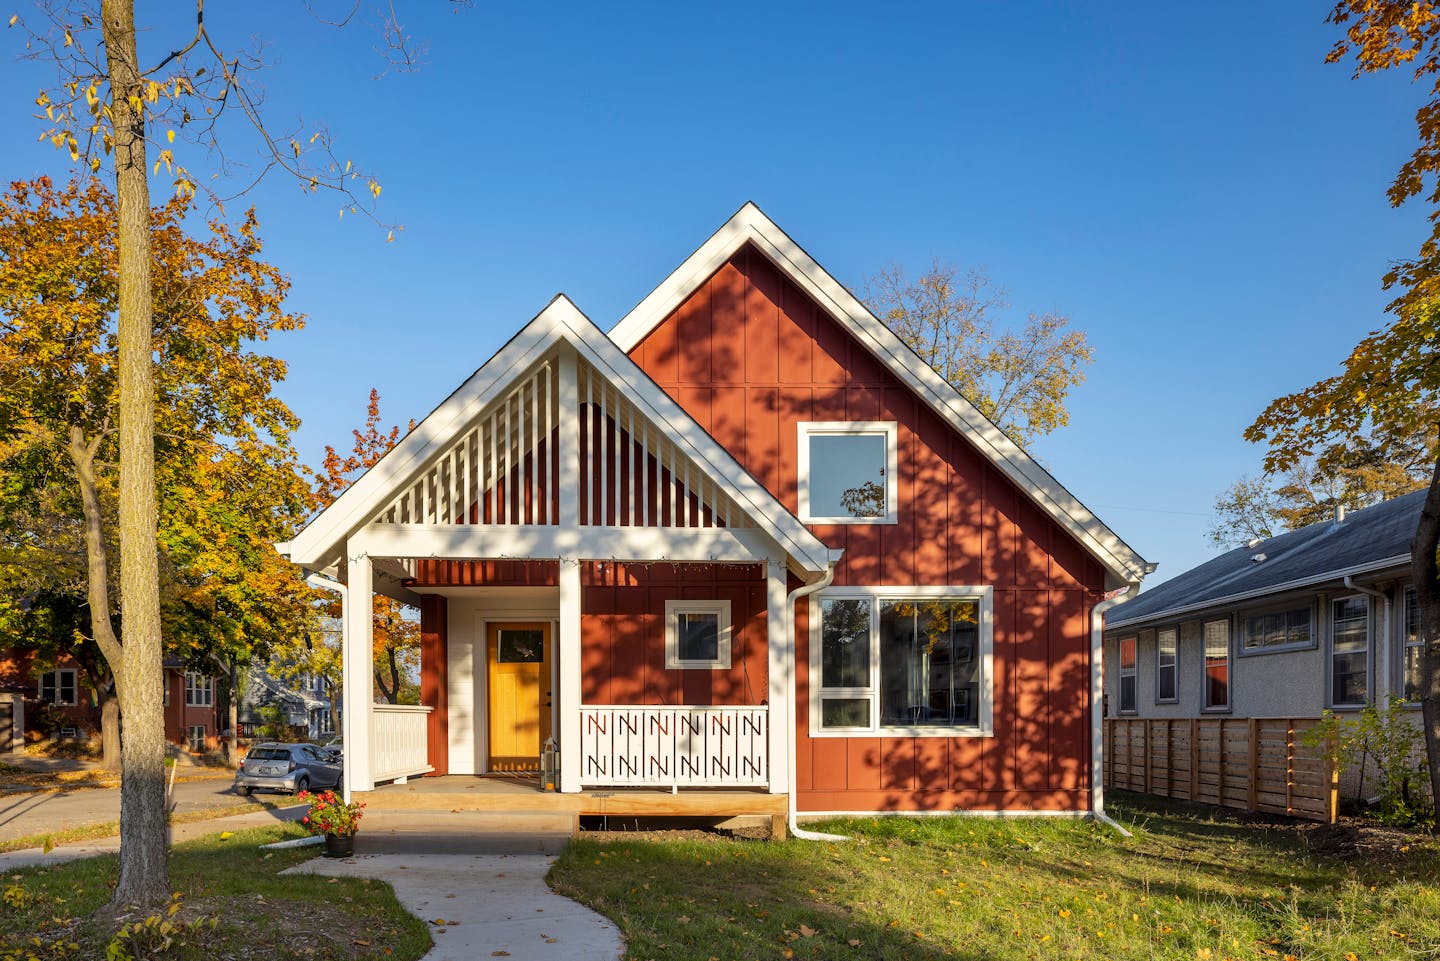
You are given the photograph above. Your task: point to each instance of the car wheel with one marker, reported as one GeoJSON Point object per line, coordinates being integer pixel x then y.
{"type": "Point", "coordinates": [243, 791]}
{"type": "Point", "coordinates": [302, 784]}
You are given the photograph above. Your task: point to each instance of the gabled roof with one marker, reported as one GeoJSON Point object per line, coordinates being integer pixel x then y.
{"type": "Point", "coordinates": [323, 539]}
{"type": "Point", "coordinates": [1373, 539]}
{"type": "Point", "coordinates": [750, 225]}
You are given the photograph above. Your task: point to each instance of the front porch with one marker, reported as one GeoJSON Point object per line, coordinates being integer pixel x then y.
{"type": "Point", "coordinates": [513, 798]}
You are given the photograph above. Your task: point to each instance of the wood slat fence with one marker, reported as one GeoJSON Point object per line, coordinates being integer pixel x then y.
{"type": "Point", "coordinates": [1255, 764]}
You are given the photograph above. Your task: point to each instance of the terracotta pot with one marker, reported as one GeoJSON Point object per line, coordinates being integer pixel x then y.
{"type": "Point", "coordinates": [339, 846]}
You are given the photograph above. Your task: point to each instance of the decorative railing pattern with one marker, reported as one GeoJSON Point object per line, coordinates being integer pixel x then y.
{"type": "Point", "coordinates": [398, 745]}
{"type": "Point", "coordinates": [674, 746]}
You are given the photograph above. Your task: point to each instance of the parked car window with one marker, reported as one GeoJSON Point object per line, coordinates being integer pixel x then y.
{"type": "Point", "coordinates": [269, 754]}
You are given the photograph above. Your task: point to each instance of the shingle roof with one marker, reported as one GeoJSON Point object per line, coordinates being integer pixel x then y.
{"type": "Point", "coordinates": [1372, 538]}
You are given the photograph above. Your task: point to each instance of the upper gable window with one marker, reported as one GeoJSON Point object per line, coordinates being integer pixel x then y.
{"type": "Point", "coordinates": [847, 472]}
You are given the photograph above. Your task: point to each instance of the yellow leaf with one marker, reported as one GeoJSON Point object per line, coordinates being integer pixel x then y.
{"type": "Point", "coordinates": [390, 236]}
{"type": "Point", "coordinates": [169, 136]}
{"type": "Point", "coordinates": [69, 40]}
{"type": "Point", "coordinates": [226, 835]}
{"type": "Point", "coordinates": [14, 17]}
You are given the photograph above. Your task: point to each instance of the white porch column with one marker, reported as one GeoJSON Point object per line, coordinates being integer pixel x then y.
{"type": "Point", "coordinates": [780, 651]}
{"type": "Point", "coordinates": [356, 667]}
{"type": "Point", "coordinates": [568, 700]}
{"type": "Point", "coordinates": [567, 697]}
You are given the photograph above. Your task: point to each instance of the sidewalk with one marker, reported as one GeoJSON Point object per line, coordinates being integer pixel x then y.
{"type": "Point", "coordinates": [32, 857]}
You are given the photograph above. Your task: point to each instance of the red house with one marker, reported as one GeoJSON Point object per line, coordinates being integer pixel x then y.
{"type": "Point", "coordinates": [748, 540]}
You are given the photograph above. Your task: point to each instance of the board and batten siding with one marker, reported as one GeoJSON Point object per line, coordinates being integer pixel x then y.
{"type": "Point", "coordinates": [748, 356]}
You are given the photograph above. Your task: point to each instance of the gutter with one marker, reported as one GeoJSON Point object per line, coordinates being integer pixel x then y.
{"type": "Point", "coordinates": [1097, 706]}
{"type": "Point", "coordinates": [790, 811]}
{"type": "Point", "coordinates": [321, 582]}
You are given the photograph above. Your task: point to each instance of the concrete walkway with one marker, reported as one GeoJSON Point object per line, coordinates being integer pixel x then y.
{"type": "Point", "coordinates": [486, 884]}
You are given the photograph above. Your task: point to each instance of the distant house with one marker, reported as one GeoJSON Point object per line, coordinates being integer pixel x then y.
{"type": "Point", "coordinates": [56, 704]}
{"type": "Point", "coordinates": [303, 702]}
{"type": "Point", "coordinates": [1319, 618]}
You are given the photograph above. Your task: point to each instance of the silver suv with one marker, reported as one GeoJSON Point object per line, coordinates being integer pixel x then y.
{"type": "Point", "coordinates": [289, 768]}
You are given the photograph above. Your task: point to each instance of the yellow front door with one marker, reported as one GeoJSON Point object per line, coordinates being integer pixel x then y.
{"type": "Point", "coordinates": [519, 694]}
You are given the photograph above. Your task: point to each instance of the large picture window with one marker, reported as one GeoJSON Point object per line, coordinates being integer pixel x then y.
{"type": "Point", "coordinates": [1167, 647]}
{"type": "Point", "coordinates": [1349, 651]}
{"type": "Point", "coordinates": [1410, 660]}
{"type": "Point", "coordinates": [902, 660]}
{"type": "Point", "coordinates": [1217, 665]}
{"type": "Point", "coordinates": [1129, 676]}
{"type": "Point", "coordinates": [847, 472]}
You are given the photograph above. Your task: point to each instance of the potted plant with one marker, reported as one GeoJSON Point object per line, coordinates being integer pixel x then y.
{"type": "Point", "coordinates": [336, 819]}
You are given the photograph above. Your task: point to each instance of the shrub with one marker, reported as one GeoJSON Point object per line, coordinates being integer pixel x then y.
{"type": "Point", "coordinates": [1386, 736]}
{"type": "Point", "coordinates": [161, 937]}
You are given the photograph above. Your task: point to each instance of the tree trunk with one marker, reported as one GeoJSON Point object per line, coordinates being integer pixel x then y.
{"type": "Point", "coordinates": [1426, 574]}
{"type": "Point", "coordinates": [144, 871]}
{"type": "Point", "coordinates": [232, 739]}
{"type": "Point", "coordinates": [110, 730]}
{"type": "Point", "coordinates": [392, 693]}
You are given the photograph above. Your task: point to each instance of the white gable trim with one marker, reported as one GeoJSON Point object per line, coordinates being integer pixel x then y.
{"type": "Point", "coordinates": [751, 225]}
{"type": "Point", "coordinates": [325, 535]}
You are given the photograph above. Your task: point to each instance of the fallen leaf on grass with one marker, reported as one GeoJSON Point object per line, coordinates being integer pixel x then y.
{"type": "Point", "coordinates": [499, 954]}
{"type": "Point", "coordinates": [361, 942]}
{"type": "Point", "coordinates": [808, 932]}
{"type": "Point", "coordinates": [226, 835]}
{"type": "Point", "coordinates": [853, 942]}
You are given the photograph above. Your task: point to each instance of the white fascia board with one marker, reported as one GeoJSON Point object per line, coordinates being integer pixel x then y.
{"type": "Point", "coordinates": [320, 537]}
{"type": "Point", "coordinates": [1339, 574]}
{"type": "Point", "coordinates": [751, 225]}
{"type": "Point", "coordinates": [753, 498]}
{"type": "Point", "coordinates": [551, 542]}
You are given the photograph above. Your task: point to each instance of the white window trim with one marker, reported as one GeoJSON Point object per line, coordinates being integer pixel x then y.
{"type": "Point", "coordinates": [191, 689]}
{"type": "Point", "coordinates": [1330, 652]}
{"type": "Point", "coordinates": [1133, 672]}
{"type": "Point", "coordinates": [984, 595]}
{"type": "Point", "coordinates": [1174, 632]}
{"type": "Point", "coordinates": [74, 687]}
{"type": "Point", "coordinates": [1229, 706]}
{"type": "Point", "coordinates": [889, 428]}
{"type": "Point", "coordinates": [673, 661]}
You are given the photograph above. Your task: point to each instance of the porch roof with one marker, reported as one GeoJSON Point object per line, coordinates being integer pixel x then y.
{"type": "Point", "coordinates": [321, 544]}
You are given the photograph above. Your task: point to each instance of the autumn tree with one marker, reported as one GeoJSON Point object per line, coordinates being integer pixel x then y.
{"type": "Point", "coordinates": [1353, 473]}
{"type": "Point", "coordinates": [396, 633]}
{"type": "Point", "coordinates": [226, 479]}
{"type": "Point", "coordinates": [109, 109]}
{"type": "Point", "coordinates": [1019, 378]}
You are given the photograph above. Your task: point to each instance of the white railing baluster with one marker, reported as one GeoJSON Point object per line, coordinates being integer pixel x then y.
{"type": "Point", "coordinates": [693, 746]}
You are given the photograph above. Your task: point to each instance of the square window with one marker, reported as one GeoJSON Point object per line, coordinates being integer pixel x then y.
{"type": "Point", "coordinates": [697, 635]}
{"type": "Point", "coordinates": [199, 690]}
{"type": "Point", "coordinates": [59, 687]}
{"type": "Point", "coordinates": [847, 472]}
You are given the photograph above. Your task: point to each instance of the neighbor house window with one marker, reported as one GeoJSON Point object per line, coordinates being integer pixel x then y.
{"type": "Point", "coordinates": [697, 635]}
{"type": "Point", "coordinates": [196, 738]}
{"type": "Point", "coordinates": [913, 660]}
{"type": "Point", "coordinates": [199, 690]}
{"type": "Point", "coordinates": [1217, 665]}
{"type": "Point", "coordinates": [58, 687]}
{"type": "Point", "coordinates": [1277, 629]}
{"type": "Point", "coordinates": [1349, 651]}
{"type": "Point", "coordinates": [1166, 666]}
{"type": "Point", "coordinates": [1410, 682]}
{"type": "Point", "coordinates": [1129, 697]}
{"type": "Point", "coordinates": [847, 472]}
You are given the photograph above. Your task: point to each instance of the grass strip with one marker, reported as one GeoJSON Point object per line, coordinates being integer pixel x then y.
{"type": "Point", "coordinates": [107, 829]}
{"type": "Point", "coordinates": [259, 913]}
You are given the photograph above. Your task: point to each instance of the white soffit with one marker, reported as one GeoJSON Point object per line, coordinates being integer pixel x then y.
{"type": "Point", "coordinates": [323, 538]}
{"type": "Point", "coordinates": [751, 225]}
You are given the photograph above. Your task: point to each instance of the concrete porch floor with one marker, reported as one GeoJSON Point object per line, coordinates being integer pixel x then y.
{"type": "Point", "coordinates": [507, 796]}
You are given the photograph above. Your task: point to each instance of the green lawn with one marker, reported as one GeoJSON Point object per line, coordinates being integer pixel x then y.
{"type": "Point", "coordinates": [1186, 886]}
{"type": "Point", "coordinates": [261, 915]}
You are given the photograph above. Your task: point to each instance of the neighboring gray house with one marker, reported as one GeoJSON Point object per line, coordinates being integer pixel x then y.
{"type": "Point", "coordinates": [304, 703]}
{"type": "Point", "coordinates": [1321, 617]}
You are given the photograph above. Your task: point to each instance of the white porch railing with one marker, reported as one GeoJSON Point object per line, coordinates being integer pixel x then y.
{"type": "Point", "coordinates": [674, 746]}
{"type": "Point", "coordinates": [398, 743]}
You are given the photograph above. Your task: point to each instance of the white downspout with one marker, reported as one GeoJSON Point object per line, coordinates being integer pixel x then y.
{"type": "Point", "coordinates": [1097, 706]}
{"type": "Point", "coordinates": [324, 583]}
{"type": "Point", "coordinates": [794, 596]}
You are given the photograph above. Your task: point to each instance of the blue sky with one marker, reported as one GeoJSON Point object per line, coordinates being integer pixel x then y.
{"type": "Point", "coordinates": [1191, 184]}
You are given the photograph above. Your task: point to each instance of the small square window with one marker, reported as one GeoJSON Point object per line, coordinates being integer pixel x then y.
{"type": "Point", "coordinates": [697, 635]}
{"type": "Point", "coordinates": [847, 472]}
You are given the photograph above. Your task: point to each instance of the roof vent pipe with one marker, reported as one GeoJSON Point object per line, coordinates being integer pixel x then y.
{"type": "Point", "coordinates": [1339, 513]}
